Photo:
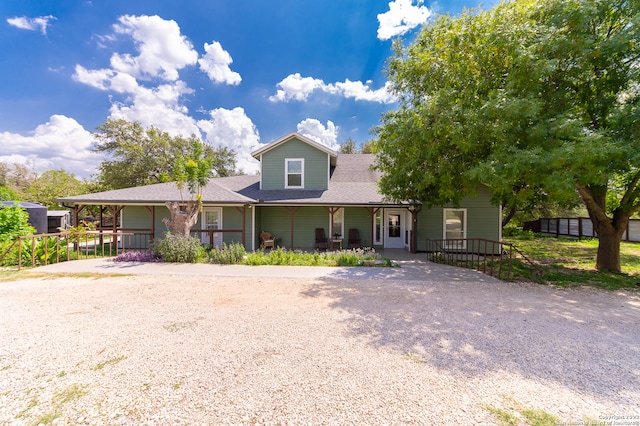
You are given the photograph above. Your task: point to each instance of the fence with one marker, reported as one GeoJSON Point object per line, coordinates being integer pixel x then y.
{"type": "Point", "coordinates": [490, 257]}
{"type": "Point", "coordinates": [578, 227]}
{"type": "Point", "coordinates": [44, 249]}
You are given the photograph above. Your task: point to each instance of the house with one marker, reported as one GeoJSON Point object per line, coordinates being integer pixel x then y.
{"type": "Point", "coordinates": [302, 185]}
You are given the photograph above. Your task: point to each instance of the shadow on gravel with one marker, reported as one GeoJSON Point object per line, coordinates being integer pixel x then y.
{"type": "Point", "coordinates": [470, 325]}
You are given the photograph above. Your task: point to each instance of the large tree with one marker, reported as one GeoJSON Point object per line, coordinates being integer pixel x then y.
{"type": "Point", "coordinates": [193, 170]}
{"type": "Point", "coordinates": [140, 156]}
{"type": "Point", "coordinates": [537, 99]}
{"type": "Point", "coordinates": [54, 184]}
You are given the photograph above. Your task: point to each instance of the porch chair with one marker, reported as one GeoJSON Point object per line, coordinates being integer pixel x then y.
{"type": "Point", "coordinates": [268, 240]}
{"type": "Point", "coordinates": [354, 238]}
{"type": "Point", "coordinates": [321, 240]}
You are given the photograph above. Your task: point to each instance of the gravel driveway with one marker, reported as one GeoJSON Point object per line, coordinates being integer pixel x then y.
{"type": "Point", "coordinates": [422, 344]}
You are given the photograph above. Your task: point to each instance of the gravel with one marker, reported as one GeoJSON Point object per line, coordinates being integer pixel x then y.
{"type": "Point", "coordinates": [439, 346]}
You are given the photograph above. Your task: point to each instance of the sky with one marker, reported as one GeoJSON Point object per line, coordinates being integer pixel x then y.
{"type": "Point", "coordinates": [238, 74]}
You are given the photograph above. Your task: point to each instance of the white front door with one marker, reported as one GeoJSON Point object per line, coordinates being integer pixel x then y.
{"type": "Point", "coordinates": [394, 221]}
{"type": "Point", "coordinates": [212, 219]}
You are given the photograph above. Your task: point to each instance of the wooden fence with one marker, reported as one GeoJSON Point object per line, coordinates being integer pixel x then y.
{"type": "Point", "coordinates": [578, 227]}
{"type": "Point", "coordinates": [44, 249]}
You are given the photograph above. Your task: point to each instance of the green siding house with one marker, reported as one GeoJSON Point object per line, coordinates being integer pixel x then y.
{"type": "Point", "coordinates": [302, 186]}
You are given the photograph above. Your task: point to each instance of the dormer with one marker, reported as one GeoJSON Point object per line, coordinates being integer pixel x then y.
{"type": "Point", "coordinates": [295, 162]}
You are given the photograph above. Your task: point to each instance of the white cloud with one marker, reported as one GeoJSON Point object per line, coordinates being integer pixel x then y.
{"type": "Point", "coordinates": [159, 107]}
{"type": "Point", "coordinates": [163, 53]}
{"type": "Point", "coordinates": [235, 130]}
{"type": "Point", "coordinates": [215, 62]}
{"type": "Point", "coordinates": [403, 15]}
{"type": "Point", "coordinates": [314, 129]}
{"type": "Point", "coordinates": [163, 50]}
{"type": "Point", "coordinates": [32, 24]}
{"type": "Point", "coordinates": [298, 88]}
{"type": "Point", "coordinates": [61, 143]}
{"type": "Point", "coordinates": [362, 92]}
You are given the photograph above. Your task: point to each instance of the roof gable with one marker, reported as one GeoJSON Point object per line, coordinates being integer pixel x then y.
{"type": "Point", "coordinates": [294, 135]}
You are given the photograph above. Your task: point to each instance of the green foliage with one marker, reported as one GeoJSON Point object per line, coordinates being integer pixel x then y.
{"type": "Point", "coordinates": [43, 250]}
{"type": "Point", "coordinates": [349, 147]}
{"type": "Point", "coordinates": [533, 98]}
{"type": "Point", "coordinates": [567, 262]}
{"type": "Point", "coordinates": [14, 222]}
{"type": "Point", "coordinates": [7, 194]}
{"type": "Point", "coordinates": [227, 254]}
{"type": "Point", "coordinates": [54, 184]}
{"type": "Point", "coordinates": [145, 156]}
{"type": "Point", "coordinates": [517, 414]}
{"type": "Point", "coordinates": [193, 168]}
{"type": "Point", "coordinates": [34, 250]}
{"type": "Point", "coordinates": [16, 177]}
{"type": "Point", "coordinates": [78, 233]}
{"type": "Point", "coordinates": [283, 257]}
{"type": "Point", "coordinates": [179, 248]}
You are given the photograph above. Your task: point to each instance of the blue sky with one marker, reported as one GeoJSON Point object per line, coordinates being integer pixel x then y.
{"type": "Point", "coordinates": [235, 73]}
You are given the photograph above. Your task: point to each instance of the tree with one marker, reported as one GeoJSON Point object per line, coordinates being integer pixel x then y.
{"type": "Point", "coordinates": [367, 147]}
{"type": "Point", "coordinates": [537, 99]}
{"type": "Point", "coordinates": [16, 178]}
{"type": "Point", "coordinates": [349, 147]}
{"type": "Point", "coordinates": [54, 184]}
{"type": "Point", "coordinates": [8, 195]}
{"type": "Point", "coordinates": [194, 170]}
{"type": "Point", "coordinates": [145, 156]}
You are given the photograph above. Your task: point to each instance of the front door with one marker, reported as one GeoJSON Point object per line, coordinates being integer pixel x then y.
{"type": "Point", "coordinates": [395, 229]}
{"type": "Point", "coordinates": [212, 219]}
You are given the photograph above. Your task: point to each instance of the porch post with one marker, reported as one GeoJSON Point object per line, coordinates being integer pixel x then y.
{"type": "Point", "coordinates": [332, 211]}
{"type": "Point", "coordinates": [152, 210]}
{"type": "Point", "coordinates": [373, 211]}
{"type": "Point", "coordinates": [243, 211]}
{"type": "Point", "coordinates": [292, 213]}
{"type": "Point", "coordinates": [413, 245]}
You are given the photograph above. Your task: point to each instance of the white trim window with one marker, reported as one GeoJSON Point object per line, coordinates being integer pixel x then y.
{"type": "Point", "coordinates": [455, 226]}
{"type": "Point", "coordinates": [294, 173]}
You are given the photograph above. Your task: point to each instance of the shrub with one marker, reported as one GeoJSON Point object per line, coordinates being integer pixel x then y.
{"type": "Point", "coordinates": [136, 256]}
{"type": "Point", "coordinates": [178, 248]}
{"type": "Point", "coordinates": [227, 254]}
{"type": "Point", "coordinates": [353, 257]}
{"type": "Point", "coordinates": [14, 223]}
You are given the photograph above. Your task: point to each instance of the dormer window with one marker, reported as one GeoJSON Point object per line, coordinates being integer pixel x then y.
{"type": "Point", "coordinates": [294, 177]}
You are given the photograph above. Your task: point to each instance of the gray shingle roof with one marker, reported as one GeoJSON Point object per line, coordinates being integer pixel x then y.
{"type": "Point", "coordinates": [352, 182]}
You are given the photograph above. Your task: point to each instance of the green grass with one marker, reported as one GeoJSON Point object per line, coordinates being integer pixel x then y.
{"type": "Point", "coordinates": [69, 394]}
{"type": "Point", "coordinates": [516, 414]}
{"type": "Point", "coordinates": [566, 262]}
{"type": "Point", "coordinates": [111, 361]}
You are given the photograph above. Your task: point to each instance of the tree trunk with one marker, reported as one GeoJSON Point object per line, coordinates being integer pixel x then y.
{"type": "Point", "coordinates": [609, 230]}
{"type": "Point", "coordinates": [608, 258]}
{"type": "Point", "coordinates": [507, 218]}
{"type": "Point", "coordinates": [183, 217]}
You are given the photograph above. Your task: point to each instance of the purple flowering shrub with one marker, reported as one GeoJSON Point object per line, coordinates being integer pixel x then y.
{"type": "Point", "coordinates": [136, 256]}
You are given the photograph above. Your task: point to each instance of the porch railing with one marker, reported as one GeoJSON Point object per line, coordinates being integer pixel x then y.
{"type": "Point", "coordinates": [209, 236]}
{"type": "Point", "coordinates": [490, 257]}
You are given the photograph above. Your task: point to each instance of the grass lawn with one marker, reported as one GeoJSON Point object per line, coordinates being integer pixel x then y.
{"type": "Point", "coordinates": [567, 262]}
